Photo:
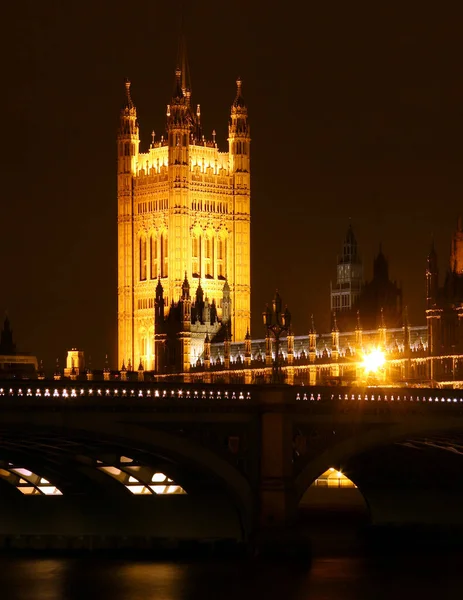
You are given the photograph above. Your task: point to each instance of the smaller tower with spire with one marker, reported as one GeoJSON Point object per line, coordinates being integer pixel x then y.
{"type": "Point", "coordinates": [312, 341]}
{"type": "Point", "coordinates": [106, 370]}
{"type": "Point", "coordinates": [247, 349]}
{"type": "Point", "coordinates": [382, 331]}
{"type": "Point", "coordinates": [349, 275]}
{"type": "Point", "coordinates": [334, 339]}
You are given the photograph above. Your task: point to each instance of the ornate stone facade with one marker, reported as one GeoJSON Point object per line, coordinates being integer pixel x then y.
{"type": "Point", "coordinates": [183, 208]}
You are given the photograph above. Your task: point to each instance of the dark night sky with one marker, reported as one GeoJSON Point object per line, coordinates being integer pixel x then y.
{"type": "Point", "coordinates": [355, 108]}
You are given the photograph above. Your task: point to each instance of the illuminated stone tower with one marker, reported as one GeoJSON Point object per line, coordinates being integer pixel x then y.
{"type": "Point", "coordinates": [183, 212]}
{"type": "Point", "coordinates": [349, 276]}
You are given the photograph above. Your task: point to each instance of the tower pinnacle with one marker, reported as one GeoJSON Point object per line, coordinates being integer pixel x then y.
{"type": "Point", "coordinates": [129, 97]}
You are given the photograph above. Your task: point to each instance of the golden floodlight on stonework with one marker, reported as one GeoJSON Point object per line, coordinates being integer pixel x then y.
{"type": "Point", "coordinates": [373, 361]}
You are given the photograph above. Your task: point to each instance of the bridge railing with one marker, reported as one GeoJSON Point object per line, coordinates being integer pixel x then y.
{"type": "Point", "coordinates": [73, 390]}
{"type": "Point", "coordinates": [380, 395]}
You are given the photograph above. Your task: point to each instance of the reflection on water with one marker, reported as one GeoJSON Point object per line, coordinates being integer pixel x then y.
{"type": "Point", "coordinates": [340, 578]}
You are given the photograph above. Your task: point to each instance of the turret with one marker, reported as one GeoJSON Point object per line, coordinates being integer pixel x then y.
{"type": "Point", "coordinates": [73, 374]}
{"type": "Point", "coordinates": [141, 371]}
{"type": "Point", "coordinates": [159, 306]}
{"type": "Point", "coordinates": [247, 349]}
{"type": "Point", "coordinates": [239, 141]}
{"type": "Point", "coordinates": [290, 346]}
{"type": "Point", "coordinates": [226, 303]}
{"type": "Point", "coordinates": [41, 371]}
{"type": "Point", "coordinates": [159, 330]}
{"type": "Point", "coordinates": [382, 332]}
{"type": "Point", "coordinates": [185, 288]}
{"type": "Point", "coordinates": [432, 278]}
{"type": "Point", "coordinates": [128, 138]}
{"type": "Point", "coordinates": [123, 372]}
{"type": "Point", "coordinates": [180, 124]}
{"type": "Point", "coordinates": [239, 133]}
{"type": "Point", "coordinates": [184, 335]}
{"type": "Point", "coordinates": [312, 341]}
{"type": "Point", "coordinates": [88, 370]}
{"type": "Point", "coordinates": [106, 370]}
{"type": "Point", "coordinates": [207, 312]}
{"type": "Point", "coordinates": [199, 303]}
{"type": "Point", "coordinates": [57, 373]}
{"type": "Point", "coordinates": [186, 305]}
{"type": "Point", "coordinates": [128, 142]}
{"type": "Point", "coordinates": [334, 339]}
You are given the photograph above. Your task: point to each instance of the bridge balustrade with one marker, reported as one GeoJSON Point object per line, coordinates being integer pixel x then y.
{"type": "Point", "coordinates": [121, 391]}
{"type": "Point", "coordinates": [396, 396]}
{"type": "Point", "coordinates": [124, 392]}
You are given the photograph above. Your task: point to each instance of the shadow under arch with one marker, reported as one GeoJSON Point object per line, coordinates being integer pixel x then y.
{"type": "Point", "coordinates": [335, 496]}
{"type": "Point", "coordinates": [339, 454]}
{"type": "Point", "coordinates": [190, 455]}
{"type": "Point", "coordinates": [132, 437]}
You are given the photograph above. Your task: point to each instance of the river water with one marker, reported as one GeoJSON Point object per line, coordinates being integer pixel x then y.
{"type": "Point", "coordinates": [328, 578]}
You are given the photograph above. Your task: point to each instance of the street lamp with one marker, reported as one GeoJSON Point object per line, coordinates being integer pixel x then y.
{"type": "Point", "coordinates": [277, 323]}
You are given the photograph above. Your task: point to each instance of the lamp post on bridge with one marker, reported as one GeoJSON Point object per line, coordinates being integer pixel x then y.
{"type": "Point", "coordinates": [277, 323]}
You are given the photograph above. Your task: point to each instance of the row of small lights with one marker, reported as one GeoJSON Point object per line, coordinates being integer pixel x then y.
{"type": "Point", "coordinates": [318, 397]}
{"type": "Point", "coordinates": [74, 393]}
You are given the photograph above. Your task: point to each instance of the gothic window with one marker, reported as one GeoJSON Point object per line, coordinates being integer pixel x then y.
{"type": "Point", "coordinates": [154, 257]}
{"type": "Point", "coordinates": [164, 255]}
{"type": "Point", "coordinates": [142, 259]}
{"type": "Point", "coordinates": [221, 243]}
{"type": "Point", "coordinates": [196, 256]}
{"type": "Point", "coordinates": [209, 258]}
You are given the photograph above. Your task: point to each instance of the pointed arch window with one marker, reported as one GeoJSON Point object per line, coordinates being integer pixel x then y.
{"type": "Point", "coordinates": [164, 255]}
{"type": "Point", "coordinates": [196, 256]}
{"type": "Point", "coordinates": [209, 258]}
{"type": "Point", "coordinates": [221, 258]}
{"type": "Point", "coordinates": [143, 266]}
{"type": "Point", "coordinates": [154, 271]}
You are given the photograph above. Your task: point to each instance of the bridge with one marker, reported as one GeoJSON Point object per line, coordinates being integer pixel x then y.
{"type": "Point", "coordinates": [196, 461]}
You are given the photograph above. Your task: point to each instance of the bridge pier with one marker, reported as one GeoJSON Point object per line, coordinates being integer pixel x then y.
{"type": "Point", "coordinates": [277, 507]}
{"type": "Point", "coordinates": [276, 490]}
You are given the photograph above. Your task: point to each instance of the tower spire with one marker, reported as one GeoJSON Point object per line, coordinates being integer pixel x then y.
{"type": "Point", "coordinates": [130, 103]}
{"type": "Point", "coordinates": [182, 56]}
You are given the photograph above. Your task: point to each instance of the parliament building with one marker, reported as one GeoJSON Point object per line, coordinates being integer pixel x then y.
{"type": "Point", "coordinates": [184, 275]}
{"type": "Point", "coordinates": [183, 216]}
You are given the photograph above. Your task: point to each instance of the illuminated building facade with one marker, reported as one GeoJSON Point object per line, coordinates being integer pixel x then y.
{"type": "Point", "coordinates": [183, 214]}
{"type": "Point", "coordinates": [444, 312]}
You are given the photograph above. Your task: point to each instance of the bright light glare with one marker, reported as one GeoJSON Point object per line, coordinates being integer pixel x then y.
{"type": "Point", "coordinates": [373, 361]}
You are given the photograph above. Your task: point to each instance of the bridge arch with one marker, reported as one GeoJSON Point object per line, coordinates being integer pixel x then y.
{"type": "Point", "coordinates": [398, 481]}
{"type": "Point", "coordinates": [339, 453]}
{"type": "Point", "coordinates": [185, 454]}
